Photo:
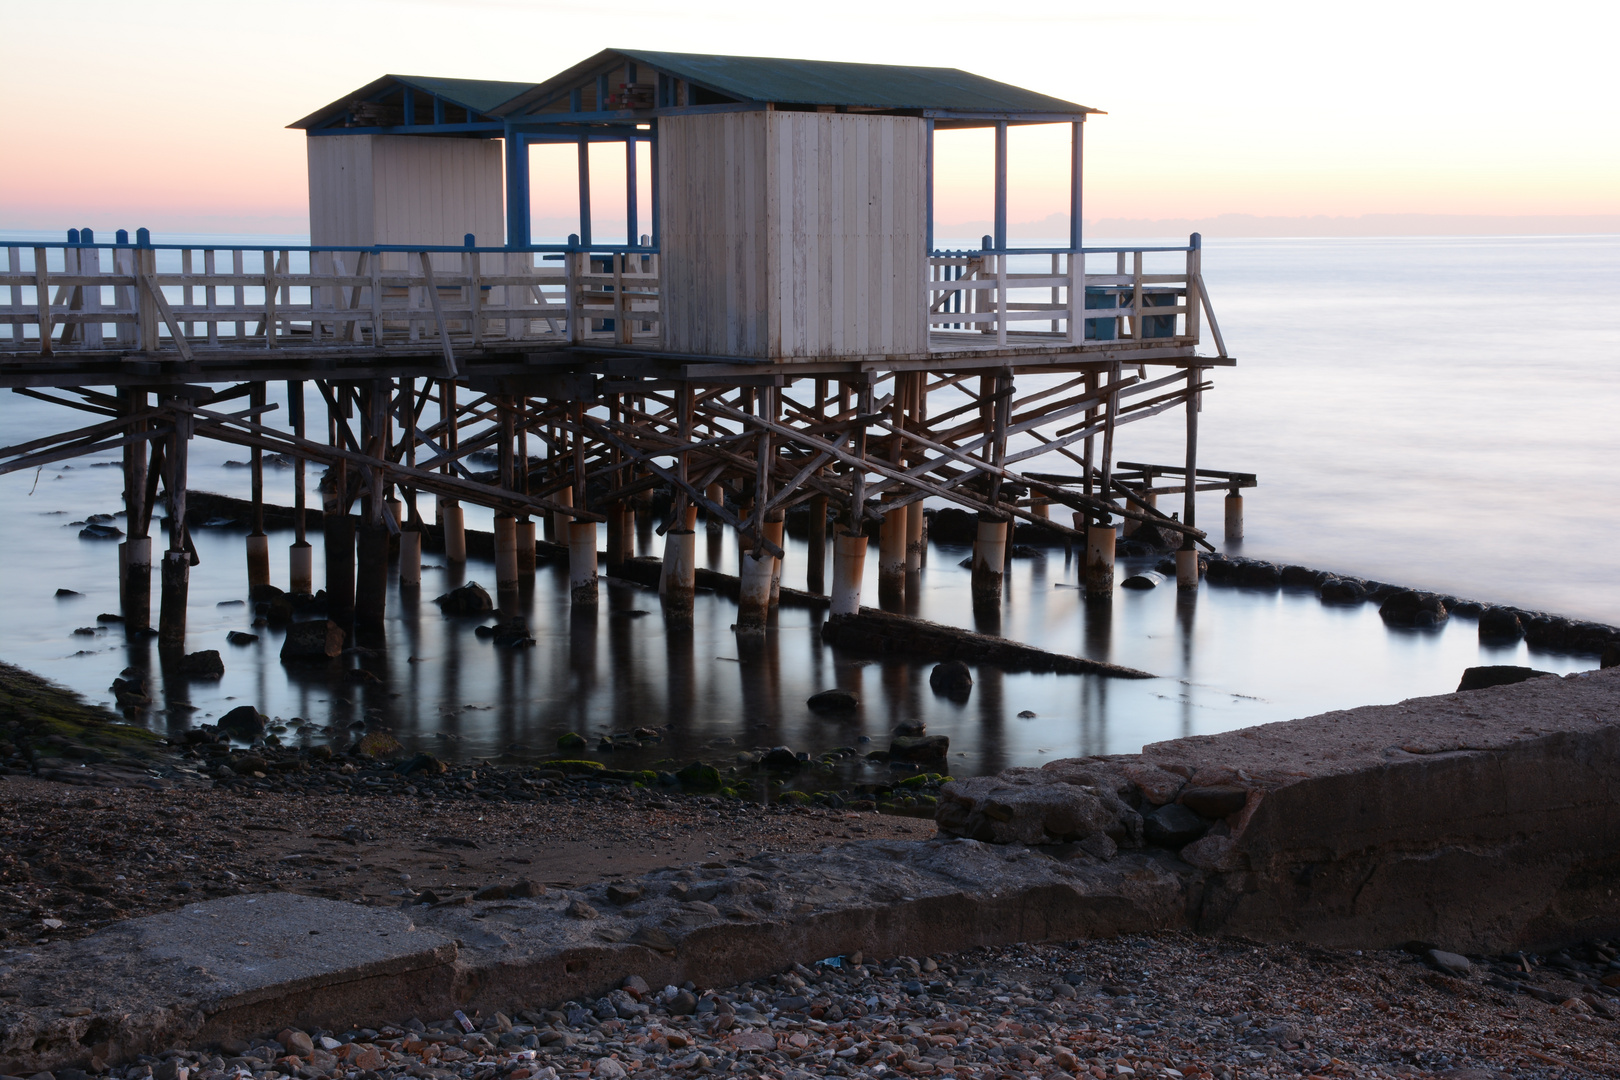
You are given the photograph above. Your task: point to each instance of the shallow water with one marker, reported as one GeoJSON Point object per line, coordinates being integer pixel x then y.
{"type": "Point", "coordinates": [1416, 409]}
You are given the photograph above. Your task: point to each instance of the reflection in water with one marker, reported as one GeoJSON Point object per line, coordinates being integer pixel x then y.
{"type": "Point", "coordinates": [1228, 658]}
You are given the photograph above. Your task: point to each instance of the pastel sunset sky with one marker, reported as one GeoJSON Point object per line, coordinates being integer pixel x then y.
{"type": "Point", "coordinates": [172, 113]}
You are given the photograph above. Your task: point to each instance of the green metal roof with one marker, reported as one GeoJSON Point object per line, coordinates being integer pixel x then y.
{"type": "Point", "coordinates": [827, 82]}
{"type": "Point", "coordinates": [478, 95]}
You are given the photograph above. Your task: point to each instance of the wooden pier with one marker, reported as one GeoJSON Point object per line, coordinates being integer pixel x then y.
{"type": "Point", "coordinates": [780, 336]}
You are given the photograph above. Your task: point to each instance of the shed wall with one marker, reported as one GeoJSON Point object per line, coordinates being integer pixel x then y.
{"type": "Point", "coordinates": [713, 233]}
{"type": "Point", "coordinates": [848, 220]}
{"type": "Point", "coordinates": [403, 189]}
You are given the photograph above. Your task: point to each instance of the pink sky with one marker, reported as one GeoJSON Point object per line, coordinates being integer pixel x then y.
{"type": "Point", "coordinates": [172, 114]}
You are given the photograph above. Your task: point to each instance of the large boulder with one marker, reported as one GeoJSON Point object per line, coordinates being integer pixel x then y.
{"type": "Point", "coordinates": [1030, 806]}
{"type": "Point", "coordinates": [470, 599]}
{"type": "Point", "coordinates": [320, 640]}
{"type": "Point", "coordinates": [1342, 591]}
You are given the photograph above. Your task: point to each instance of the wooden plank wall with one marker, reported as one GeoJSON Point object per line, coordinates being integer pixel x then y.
{"type": "Point", "coordinates": [848, 224]}
{"type": "Point", "coordinates": [436, 191]}
{"type": "Point", "coordinates": [340, 191]}
{"type": "Point", "coordinates": [714, 234]}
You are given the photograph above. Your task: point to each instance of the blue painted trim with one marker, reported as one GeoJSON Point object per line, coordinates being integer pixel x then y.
{"type": "Point", "coordinates": [632, 226]}
{"type": "Point", "coordinates": [928, 181]}
{"type": "Point", "coordinates": [485, 127]}
{"type": "Point", "coordinates": [584, 193]}
{"type": "Point", "coordinates": [518, 232]}
{"type": "Point", "coordinates": [993, 250]}
{"type": "Point", "coordinates": [598, 249]}
{"type": "Point", "coordinates": [1001, 186]}
{"type": "Point", "coordinates": [1077, 159]}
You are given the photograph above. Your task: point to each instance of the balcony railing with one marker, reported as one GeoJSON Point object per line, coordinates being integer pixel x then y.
{"type": "Point", "coordinates": [990, 299]}
{"type": "Point", "coordinates": [146, 298]}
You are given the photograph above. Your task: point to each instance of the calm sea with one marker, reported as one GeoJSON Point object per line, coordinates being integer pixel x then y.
{"type": "Point", "coordinates": [1434, 412]}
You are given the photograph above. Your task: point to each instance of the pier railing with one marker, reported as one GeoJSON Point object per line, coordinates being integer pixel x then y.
{"type": "Point", "coordinates": [1033, 296]}
{"type": "Point", "coordinates": [142, 297]}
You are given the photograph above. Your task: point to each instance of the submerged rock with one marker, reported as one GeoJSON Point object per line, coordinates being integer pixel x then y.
{"type": "Point", "coordinates": [1342, 591]}
{"type": "Point", "coordinates": [320, 640]}
{"type": "Point", "coordinates": [470, 599]}
{"type": "Point", "coordinates": [243, 722]}
{"type": "Point", "coordinates": [1148, 579]}
{"type": "Point", "coordinates": [833, 701]}
{"type": "Point", "coordinates": [951, 679]}
{"type": "Point", "coordinates": [1500, 624]}
{"type": "Point", "coordinates": [919, 747]}
{"type": "Point", "coordinates": [203, 665]}
{"type": "Point", "coordinates": [1410, 608]}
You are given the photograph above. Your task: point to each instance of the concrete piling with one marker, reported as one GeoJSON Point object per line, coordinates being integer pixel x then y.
{"type": "Point", "coordinates": [338, 530]}
{"type": "Point", "coordinates": [1234, 516]}
{"type": "Point", "coordinates": [1187, 568]}
{"type": "Point", "coordinates": [135, 581]}
{"type": "Point", "coordinates": [523, 540]}
{"type": "Point", "coordinates": [582, 589]}
{"type": "Point", "coordinates": [258, 561]}
{"type": "Point", "coordinates": [1100, 560]}
{"type": "Point", "coordinates": [301, 568]}
{"type": "Point", "coordinates": [410, 558]}
{"type": "Point", "coordinates": [775, 529]}
{"type": "Point", "coordinates": [371, 576]}
{"type": "Point", "coordinates": [754, 593]}
{"type": "Point", "coordinates": [989, 560]}
{"type": "Point", "coordinates": [505, 555]}
{"type": "Point", "coordinates": [815, 574]}
{"type": "Point", "coordinates": [849, 567]}
{"type": "Point", "coordinates": [176, 580]}
{"type": "Point", "coordinates": [892, 559]}
{"type": "Point", "coordinates": [678, 582]}
{"type": "Point", "coordinates": [454, 519]}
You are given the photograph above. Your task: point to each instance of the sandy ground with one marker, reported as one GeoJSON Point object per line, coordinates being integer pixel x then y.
{"type": "Point", "coordinates": [87, 856]}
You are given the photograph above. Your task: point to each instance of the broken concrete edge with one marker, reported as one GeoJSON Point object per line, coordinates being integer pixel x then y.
{"type": "Point", "coordinates": [1481, 821]}
{"type": "Point", "coordinates": [144, 992]}
{"type": "Point", "coordinates": [874, 631]}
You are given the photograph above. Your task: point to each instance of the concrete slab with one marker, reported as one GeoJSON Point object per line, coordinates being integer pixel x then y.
{"type": "Point", "coordinates": [220, 968]}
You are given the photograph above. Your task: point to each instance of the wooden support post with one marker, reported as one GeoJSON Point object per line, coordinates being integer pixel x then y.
{"type": "Point", "coordinates": [754, 590]}
{"type": "Point", "coordinates": [176, 575]}
{"type": "Point", "coordinates": [815, 576]}
{"type": "Point", "coordinates": [524, 532]}
{"type": "Point", "coordinates": [371, 576]}
{"type": "Point", "coordinates": [715, 493]}
{"type": "Point", "coordinates": [338, 528]}
{"type": "Point", "coordinates": [301, 557]}
{"type": "Point", "coordinates": [1100, 561]}
{"type": "Point", "coordinates": [1187, 557]}
{"type": "Point", "coordinates": [775, 526]}
{"type": "Point", "coordinates": [258, 544]}
{"type": "Point", "coordinates": [451, 516]}
{"type": "Point", "coordinates": [135, 553]}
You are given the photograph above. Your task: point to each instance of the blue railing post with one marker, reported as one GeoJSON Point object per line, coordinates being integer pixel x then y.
{"type": "Point", "coordinates": [121, 237]}
{"type": "Point", "coordinates": [470, 241]}
{"type": "Point", "coordinates": [73, 236]}
{"type": "Point", "coordinates": [87, 236]}
{"type": "Point", "coordinates": [143, 238]}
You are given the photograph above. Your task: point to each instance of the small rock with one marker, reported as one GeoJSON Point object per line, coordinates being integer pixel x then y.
{"type": "Point", "coordinates": [425, 764]}
{"type": "Point", "coordinates": [296, 1042]}
{"type": "Point", "coordinates": [570, 741]}
{"type": "Point", "coordinates": [62, 593]}
{"type": "Point", "coordinates": [951, 679]}
{"type": "Point", "coordinates": [781, 759]}
{"type": "Point", "coordinates": [1215, 801]}
{"type": "Point", "coordinates": [470, 599]}
{"type": "Point", "coordinates": [237, 637]}
{"type": "Point", "coordinates": [1173, 826]}
{"type": "Point", "coordinates": [911, 728]}
{"type": "Point", "coordinates": [579, 909]}
{"type": "Point", "coordinates": [623, 892]}
{"type": "Point", "coordinates": [1449, 962]}
{"type": "Point", "coordinates": [1148, 579]}
{"type": "Point", "coordinates": [919, 747]}
{"type": "Point", "coordinates": [1409, 608]}
{"type": "Point", "coordinates": [608, 1069]}
{"type": "Point", "coordinates": [322, 640]}
{"type": "Point", "coordinates": [699, 777]}
{"type": "Point", "coordinates": [243, 722]}
{"type": "Point", "coordinates": [1341, 591]}
{"type": "Point", "coordinates": [684, 1003]}
{"type": "Point", "coordinates": [833, 701]}
{"type": "Point", "coordinates": [636, 987]}
{"type": "Point", "coordinates": [203, 665]}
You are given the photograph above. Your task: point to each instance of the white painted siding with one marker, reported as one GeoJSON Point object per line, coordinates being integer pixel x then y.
{"type": "Point", "coordinates": [711, 181]}
{"type": "Point", "coordinates": [340, 191]}
{"type": "Point", "coordinates": [404, 189]}
{"type": "Point", "coordinates": [788, 234]}
{"type": "Point", "coordinates": [848, 224]}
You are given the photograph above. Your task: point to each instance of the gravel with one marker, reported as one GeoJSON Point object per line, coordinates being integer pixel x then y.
{"type": "Point", "coordinates": [1171, 1007]}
